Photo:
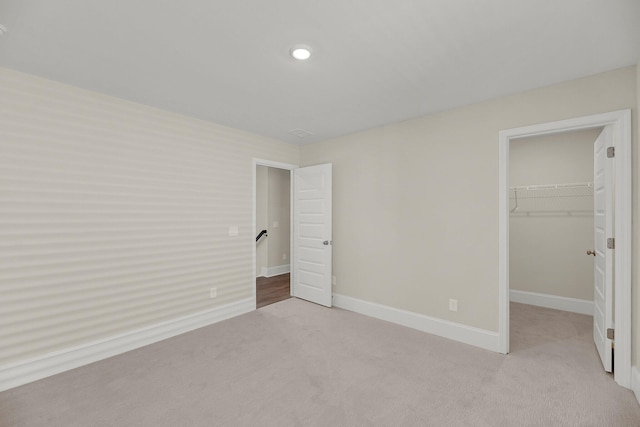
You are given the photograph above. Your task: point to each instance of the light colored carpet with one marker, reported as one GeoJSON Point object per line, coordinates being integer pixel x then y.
{"type": "Point", "coordinates": [298, 364]}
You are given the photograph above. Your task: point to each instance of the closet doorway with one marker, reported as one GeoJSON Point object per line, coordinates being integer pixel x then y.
{"type": "Point", "coordinates": [272, 219]}
{"type": "Point", "coordinates": [549, 222]}
{"type": "Point", "coordinates": [551, 238]}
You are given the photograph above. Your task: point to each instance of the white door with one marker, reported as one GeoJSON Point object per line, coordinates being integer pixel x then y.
{"type": "Point", "coordinates": [603, 226]}
{"type": "Point", "coordinates": [312, 245]}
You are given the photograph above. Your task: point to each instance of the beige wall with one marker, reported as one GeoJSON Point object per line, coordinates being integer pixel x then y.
{"type": "Point", "coordinates": [273, 199]}
{"type": "Point", "coordinates": [279, 213]}
{"type": "Point", "coordinates": [548, 234]}
{"type": "Point", "coordinates": [416, 203]}
{"type": "Point", "coordinates": [115, 215]}
{"type": "Point", "coordinates": [262, 218]}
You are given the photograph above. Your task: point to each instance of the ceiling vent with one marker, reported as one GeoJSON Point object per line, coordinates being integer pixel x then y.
{"type": "Point", "coordinates": [300, 133]}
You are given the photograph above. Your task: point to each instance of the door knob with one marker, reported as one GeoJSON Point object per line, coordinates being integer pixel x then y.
{"type": "Point", "coordinates": [593, 252]}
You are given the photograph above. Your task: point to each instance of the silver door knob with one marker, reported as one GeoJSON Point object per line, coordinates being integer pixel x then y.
{"type": "Point", "coordinates": [593, 252]}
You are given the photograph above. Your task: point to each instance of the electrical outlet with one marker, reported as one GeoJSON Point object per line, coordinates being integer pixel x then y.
{"type": "Point", "coordinates": [333, 280]}
{"type": "Point", "coordinates": [453, 304]}
{"type": "Point", "coordinates": [213, 292]}
{"type": "Point", "coordinates": [284, 257]}
{"type": "Point", "coordinates": [233, 230]}
{"type": "Point", "coordinates": [276, 224]}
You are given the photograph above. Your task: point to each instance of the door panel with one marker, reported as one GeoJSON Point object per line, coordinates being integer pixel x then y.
{"type": "Point", "coordinates": [603, 228]}
{"type": "Point", "coordinates": [312, 234]}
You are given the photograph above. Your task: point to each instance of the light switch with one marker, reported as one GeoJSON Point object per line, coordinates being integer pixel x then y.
{"type": "Point", "coordinates": [276, 224]}
{"type": "Point", "coordinates": [233, 230]}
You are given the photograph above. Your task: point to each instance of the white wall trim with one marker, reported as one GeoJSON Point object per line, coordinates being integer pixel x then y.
{"type": "Point", "coordinates": [443, 328]}
{"type": "Point", "coordinates": [620, 123]}
{"type": "Point", "coordinates": [276, 271]}
{"type": "Point", "coordinates": [574, 305]}
{"type": "Point", "coordinates": [635, 382]}
{"type": "Point", "coordinates": [26, 371]}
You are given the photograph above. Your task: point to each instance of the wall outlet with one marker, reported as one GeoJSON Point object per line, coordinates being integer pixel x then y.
{"type": "Point", "coordinates": [333, 280]}
{"type": "Point", "coordinates": [276, 224]}
{"type": "Point", "coordinates": [284, 256]}
{"type": "Point", "coordinates": [213, 292]}
{"type": "Point", "coordinates": [233, 230]}
{"type": "Point", "coordinates": [453, 304]}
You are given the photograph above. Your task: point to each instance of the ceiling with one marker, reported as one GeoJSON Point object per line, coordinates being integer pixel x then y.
{"type": "Point", "coordinates": [374, 61]}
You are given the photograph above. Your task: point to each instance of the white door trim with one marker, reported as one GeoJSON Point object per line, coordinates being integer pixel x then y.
{"type": "Point", "coordinates": [620, 123]}
{"type": "Point", "coordinates": [277, 165]}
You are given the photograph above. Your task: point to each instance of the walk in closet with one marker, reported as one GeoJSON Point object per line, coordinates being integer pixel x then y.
{"type": "Point", "coordinates": [551, 216]}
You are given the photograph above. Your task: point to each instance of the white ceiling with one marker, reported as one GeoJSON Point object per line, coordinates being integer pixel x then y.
{"type": "Point", "coordinates": [374, 61]}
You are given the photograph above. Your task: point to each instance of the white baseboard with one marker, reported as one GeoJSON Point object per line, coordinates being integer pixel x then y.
{"type": "Point", "coordinates": [26, 371]}
{"type": "Point", "coordinates": [635, 382]}
{"type": "Point", "coordinates": [482, 338]}
{"type": "Point", "coordinates": [275, 271]}
{"type": "Point", "coordinates": [573, 305]}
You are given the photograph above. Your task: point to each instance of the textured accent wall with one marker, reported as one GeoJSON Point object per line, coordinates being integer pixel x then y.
{"type": "Point", "coordinates": [115, 216]}
{"type": "Point", "coordinates": [635, 250]}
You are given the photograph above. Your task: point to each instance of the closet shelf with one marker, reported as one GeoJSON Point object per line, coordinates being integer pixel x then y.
{"type": "Point", "coordinates": [574, 189]}
{"type": "Point", "coordinates": [568, 198]}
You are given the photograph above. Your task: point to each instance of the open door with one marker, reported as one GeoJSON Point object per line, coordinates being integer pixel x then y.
{"type": "Point", "coordinates": [312, 234]}
{"type": "Point", "coordinates": [603, 230]}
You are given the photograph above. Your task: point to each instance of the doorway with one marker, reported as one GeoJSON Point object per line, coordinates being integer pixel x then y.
{"type": "Point", "coordinates": [551, 220]}
{"type": "Point", "coordinates": [617, 125]}
{"type": "Point", "coordinates": [272, 225]}
{"type": "Point", "coordinates": [551, 238]}
{"type": "Point", "coordinates": [310, 231]}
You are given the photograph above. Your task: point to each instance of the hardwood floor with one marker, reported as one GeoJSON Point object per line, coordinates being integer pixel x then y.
{"type": "Point", "coordinates": [272, 289]}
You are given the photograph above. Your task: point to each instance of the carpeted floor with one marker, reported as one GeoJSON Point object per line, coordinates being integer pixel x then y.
{"type": "Point", "coordinates": [294, 363]}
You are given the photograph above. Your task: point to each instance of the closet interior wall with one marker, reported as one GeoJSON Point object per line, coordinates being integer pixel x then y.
{"type": "Point", "coordinates": [551, 220]}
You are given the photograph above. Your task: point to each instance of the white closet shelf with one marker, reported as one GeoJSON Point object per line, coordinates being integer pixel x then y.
{"type": "Point", "coordinates": [573, 197]}
{"type": "Point", "coordinates": [574, 189]}
{"type": "Point", "coordinates": [553, 186]}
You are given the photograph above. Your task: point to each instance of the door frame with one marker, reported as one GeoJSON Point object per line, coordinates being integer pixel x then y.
{"type": "Point", "coordinates": [620, 124]}
{"type": "Point", "coordinates": [278, 165]}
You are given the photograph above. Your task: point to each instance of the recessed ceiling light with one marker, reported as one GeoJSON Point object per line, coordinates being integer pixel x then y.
{"type": "Point", "coordinates": [301, 53]}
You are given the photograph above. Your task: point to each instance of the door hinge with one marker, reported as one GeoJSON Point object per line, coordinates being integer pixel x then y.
{"type": "Point", "coordinates": [611, 243]}
{"type": "Point", "coordinates": [610, 334]}
{"type": "Point", "coordinates": [611, 152]}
